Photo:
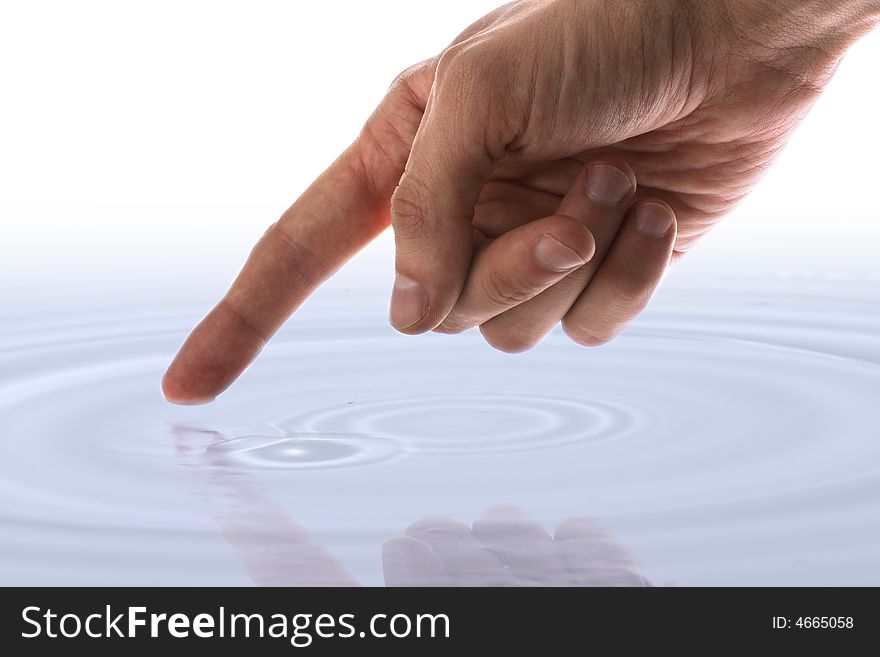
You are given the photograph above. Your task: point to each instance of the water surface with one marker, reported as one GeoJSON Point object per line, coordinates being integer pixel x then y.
{"type": "Point", "coordinates": [729, 437]}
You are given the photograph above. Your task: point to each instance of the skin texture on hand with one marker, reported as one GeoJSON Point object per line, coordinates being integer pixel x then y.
{"type": "Point", "coordinates": [622, 131]}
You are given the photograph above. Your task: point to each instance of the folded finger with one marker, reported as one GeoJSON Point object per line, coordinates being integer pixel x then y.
{"type": "Point", "coordinates": [594, 557]}
{"type": "Point", "coordinates": [518, 266]}
{"type": "Point", "coordinates": [466, 560]}
{"type": "Point", "coordinates": [598, 198]}
{"type": "Point", "coordinates": [522, 545]}
{"type": "Point", "coordinates": [407, 561]}
{"type": "Point", "coordinates": [627, 278]}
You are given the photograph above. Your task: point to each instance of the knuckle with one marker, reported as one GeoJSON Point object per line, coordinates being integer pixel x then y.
{"type": "Point", "coordinates": [450, 326]}
{"type": "Point", "coordinates": [412, 84]}
{"type": "Point", "coordinates": [408, 209]}
{"type": "Point", "coordinates": [630, 294]}
{"type": "Point", "coordinates": [504, 289]}
{"type": "Point", "coordinates": [463, 66]}
{"type": "Point", "coordinates": [402, 82]}
{"type": "Point", "coordinates": [457, 59]}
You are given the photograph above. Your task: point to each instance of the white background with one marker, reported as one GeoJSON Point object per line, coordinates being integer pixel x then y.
{"type": "Point", "coordinates": [152, 143]}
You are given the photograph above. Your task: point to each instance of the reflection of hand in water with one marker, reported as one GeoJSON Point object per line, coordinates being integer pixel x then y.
{"type": "Point", "coordinates": [503, 548]}
{"type": "Point", "coordinates": [507, 548]}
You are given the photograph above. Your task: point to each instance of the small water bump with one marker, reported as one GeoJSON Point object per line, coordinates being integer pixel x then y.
{"type": "Point", "coordinates": [300, 451]}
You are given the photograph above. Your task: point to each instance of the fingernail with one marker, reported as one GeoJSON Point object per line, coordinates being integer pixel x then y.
{"type": "Point", "coordinates": [653, 219]}
{"type": "Point", "coordinates": [607, 184]}
{"type": "Point", "coordinates": [409, 302]}
{"type": "Point", "coordinates": [554, 255]}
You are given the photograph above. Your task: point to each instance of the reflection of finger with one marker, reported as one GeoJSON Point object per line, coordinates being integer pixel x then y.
{"type": "Point", "coordinates": [626, 279]}
{"type": "Point", "coordinates": [346, 207]}
{"type": "Point", "coordinates": [516, 267]}
{"type": "Point", "coordinates": [275, 549]}
{"type": "Point", "coordinates": [407, 561]}
{"type": "Point", "coordinates": [523, 546]}
{"type": "Point", "coordinates": [593, 557]}
{"type": "Point", "coordinates": [598, 198]}
{"type": "Point", "coordinates": [466, 560]}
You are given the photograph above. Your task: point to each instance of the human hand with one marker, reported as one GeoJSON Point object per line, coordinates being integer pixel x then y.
{"type": "Point", "coordinates": [691, 99]}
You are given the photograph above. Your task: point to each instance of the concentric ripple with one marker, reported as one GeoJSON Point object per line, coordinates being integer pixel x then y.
{"type": "Point", "coordinates": [480, 422]}
{"type": "Point", "coordinates": [727, 438]}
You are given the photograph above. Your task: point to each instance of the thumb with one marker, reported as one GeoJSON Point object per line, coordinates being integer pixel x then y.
{"type": "Point", "coordinates": [433, 206]}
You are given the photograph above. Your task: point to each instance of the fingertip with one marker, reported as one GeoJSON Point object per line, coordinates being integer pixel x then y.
{"type": "Point", "coordinates": [217, 351]}
{"type": "Point", "coordinates": [654, 218]}
{"type": "Point", "coordinates": [555, 256]}
{"type": "Point", "coordinates": [573, 233]}
{"type": "Point", "coordinates": [176, 391]}
{"type": "Point", "coordinates": [608, 180]}
{"type": "Point", "coordinates": [586, 336]}
{"type": "Point", "coordinates": [507, 341]}
{"type": "Point", "coordinates": [416, 308]}
{"type": "Point", "coordinates": [409, 305]}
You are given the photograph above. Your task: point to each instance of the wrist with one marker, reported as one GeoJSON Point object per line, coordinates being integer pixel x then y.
{"type": "Point", "coordinates": [832, 25]}
{"type": "Point", "coordinates": [806, 38]}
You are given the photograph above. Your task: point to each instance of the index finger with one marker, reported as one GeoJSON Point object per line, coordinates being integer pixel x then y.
{"type": "Point", "coordinates": [344, 209]}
